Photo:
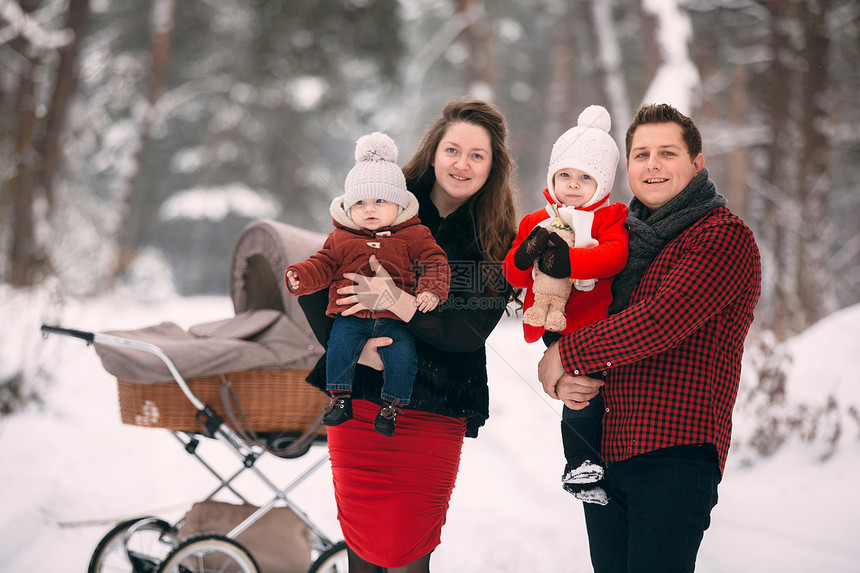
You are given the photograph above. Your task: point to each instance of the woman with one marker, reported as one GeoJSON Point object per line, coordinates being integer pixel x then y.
{"type": "Point", "coordinates": [392, 493]}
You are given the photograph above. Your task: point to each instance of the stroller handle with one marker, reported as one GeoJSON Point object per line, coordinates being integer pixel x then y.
{"type": "Point", "coordinates": [118, 341]}
{"type": "Point", "coordinates": [82, 334]}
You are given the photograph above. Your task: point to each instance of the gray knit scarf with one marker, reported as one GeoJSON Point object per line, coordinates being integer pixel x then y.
{"type": "Point", "coordinates": [650, 232]}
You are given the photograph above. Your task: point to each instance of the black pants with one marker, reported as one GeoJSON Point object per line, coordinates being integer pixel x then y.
{"type": "Point", "coordinates": [580, 429]}
{"type": "Point", "coordinates": [659, 508]}
{"type": "Point", "coordinates": [580, 432]}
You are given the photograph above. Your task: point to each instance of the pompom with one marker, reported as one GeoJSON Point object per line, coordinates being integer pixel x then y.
{"type": "Point", "coordinates": [375, 147]}
{"type": "Point", "coordinates": [595, 116]}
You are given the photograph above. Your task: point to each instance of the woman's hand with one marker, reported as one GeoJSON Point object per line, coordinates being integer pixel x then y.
{"type": "Point", "coordinates": [370, 352]}
{"type": "Point", "coordinates": [574, 391]}
{"type": "Point", "coordinates": [376, 293]}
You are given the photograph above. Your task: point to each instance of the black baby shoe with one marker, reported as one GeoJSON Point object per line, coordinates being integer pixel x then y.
{"type": "Point", "coordinates": [338, 411]}
{"type": "Point", "coordinates": [386, 419]}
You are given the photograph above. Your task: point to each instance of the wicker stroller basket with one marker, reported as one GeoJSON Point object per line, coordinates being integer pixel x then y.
{"type": "Point", "coordinates": [266, 400]}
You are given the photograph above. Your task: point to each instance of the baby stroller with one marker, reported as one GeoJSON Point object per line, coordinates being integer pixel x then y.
{"type": "Point", "coordinates": [239, 381]}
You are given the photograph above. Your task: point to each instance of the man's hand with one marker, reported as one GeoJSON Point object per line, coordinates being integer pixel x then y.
{"type": "Point", "coordinates": [577, 391]}
{"type": "Point", "coordinates": [574, 391]}
{"type": "Point", "coordinates": [550, 370]}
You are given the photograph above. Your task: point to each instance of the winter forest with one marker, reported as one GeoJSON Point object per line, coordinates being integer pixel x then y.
{"type": "Point", "coordinates": [139, 138]}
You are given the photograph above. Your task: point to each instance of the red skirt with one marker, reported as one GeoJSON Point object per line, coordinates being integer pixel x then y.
{"type": "Point", "coordinates": [392, 493]}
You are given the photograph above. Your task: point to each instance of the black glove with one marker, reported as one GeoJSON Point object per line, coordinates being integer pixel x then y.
{"type": "Point", "coordinates": [531, 248]}
{"type": "Point", "coordinates": [555, 260]}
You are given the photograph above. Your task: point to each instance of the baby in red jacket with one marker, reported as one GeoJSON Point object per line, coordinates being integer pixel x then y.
{"type": "Point", "coordinates": [579, 179]}
{"type": "Point", "coordinates": [378, 216]}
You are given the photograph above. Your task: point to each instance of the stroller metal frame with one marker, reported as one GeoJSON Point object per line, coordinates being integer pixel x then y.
{"type": "Point", "coordinates": [330, 555]}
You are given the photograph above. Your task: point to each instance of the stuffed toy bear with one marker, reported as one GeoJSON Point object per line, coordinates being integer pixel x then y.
{"type": "Point", "coordinates": [551, 292]}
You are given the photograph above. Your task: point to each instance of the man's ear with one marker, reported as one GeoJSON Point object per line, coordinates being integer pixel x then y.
{"type": "Point", "coordinates": [699, 163]}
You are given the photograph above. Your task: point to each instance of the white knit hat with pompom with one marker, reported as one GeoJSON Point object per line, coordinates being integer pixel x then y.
{"type": "Point", "coordinates": [376, 174]}
{"type": "Point", "coordinates": [589, 148]}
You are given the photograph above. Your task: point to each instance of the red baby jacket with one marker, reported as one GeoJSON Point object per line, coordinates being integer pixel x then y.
{"type": "Point", "coordinates": [406, 249]}
{"type": "Point", "coordinates": [601, 262]}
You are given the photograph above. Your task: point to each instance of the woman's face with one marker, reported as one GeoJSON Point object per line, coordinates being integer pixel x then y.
{"type": "Point", "coordinates": [462, 163]}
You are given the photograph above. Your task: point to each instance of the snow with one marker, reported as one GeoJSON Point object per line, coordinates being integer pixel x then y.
{"type": "Point", "coordinates": [307, 92]}
{"type": "Point", "coordinates": [69, 468]}
{"type": "Point", "coordinates": [19, 23]}
{"type": "Point", "coordinates": [835, 335]}
{"type": "Point", "coordinates": [215, 203]}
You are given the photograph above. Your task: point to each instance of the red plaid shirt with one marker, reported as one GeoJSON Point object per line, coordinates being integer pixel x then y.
{"type": "Point", "coordinates": [673, 357]}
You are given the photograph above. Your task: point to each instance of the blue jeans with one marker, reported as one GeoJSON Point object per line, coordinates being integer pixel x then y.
{"type": "Point", "coordinates": [659, 508]}
{"type": "Point", "coordinates": [347, 338]}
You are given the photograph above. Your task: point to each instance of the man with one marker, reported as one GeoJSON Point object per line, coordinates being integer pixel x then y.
{"type": "Point", "coordinates": [670, 352]}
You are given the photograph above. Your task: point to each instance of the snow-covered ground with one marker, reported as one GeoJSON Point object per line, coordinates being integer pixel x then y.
{"type": "Point", "coordinates": [69, 468]}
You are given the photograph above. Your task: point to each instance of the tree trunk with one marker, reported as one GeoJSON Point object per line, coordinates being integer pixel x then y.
{"type": "Point", "coordinates": [479, 73]}
{"type": "Point", "coordinates": [25, 257]}
{"type": "Point", "coordinates": [559, 103]}
{"type": "Point", "coordinates": [739, 166]}
{"type": "Point", "coordinates": [64, 88]}
{"type": "Point", "coordinates": [815, 280]}
{"type": "Point", "coordinates": [164, 15]}
{"type": "Point", "coordinates": [648, 35]}
{"type": "Point", "coordinates": [782, 223]}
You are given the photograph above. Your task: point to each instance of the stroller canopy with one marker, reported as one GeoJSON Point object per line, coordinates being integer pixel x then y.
{"type": "Point", "coordinates": [269, 330]}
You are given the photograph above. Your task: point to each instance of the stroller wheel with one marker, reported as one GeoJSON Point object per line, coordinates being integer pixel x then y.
{"type": "Point", "coordinates": [208, 553]}
{"type": "Point", "coordinates": [332, 560]}
{"type": "Point", "coordinates": [133, 546]}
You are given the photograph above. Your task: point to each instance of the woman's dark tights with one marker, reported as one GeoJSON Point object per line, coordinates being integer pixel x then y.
{"type": "Point", "coordinates": [359, 565]}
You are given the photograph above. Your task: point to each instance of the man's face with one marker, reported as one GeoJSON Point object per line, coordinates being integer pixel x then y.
{"type": "Point", "coordinates": [659, 166]}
